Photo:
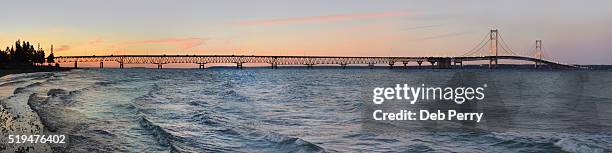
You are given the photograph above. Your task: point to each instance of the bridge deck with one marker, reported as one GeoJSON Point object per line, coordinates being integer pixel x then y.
{"type": "Point", "coordinates": [442, 62]}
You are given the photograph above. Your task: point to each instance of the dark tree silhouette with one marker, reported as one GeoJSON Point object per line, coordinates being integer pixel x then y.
{"type": "Point", "coordinates": [50, 58]}
{"type": "Point", "coordinates": [22, 54]}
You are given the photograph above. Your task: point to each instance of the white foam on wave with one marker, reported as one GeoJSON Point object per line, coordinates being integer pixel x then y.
{"type": "Point", "coordinates": [577, 146]}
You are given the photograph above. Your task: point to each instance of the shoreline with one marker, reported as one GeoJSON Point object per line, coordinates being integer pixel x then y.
{"type": "Point", "coordinates": [9, 71]}
{"type": "Point", "coordinates": [18, 117]}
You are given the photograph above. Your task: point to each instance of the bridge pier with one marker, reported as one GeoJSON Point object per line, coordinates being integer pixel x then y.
{"type": "Point", "coordinates": [159, 66]}
{"type": "Point", "coordinates": [419, 62]}
{"type": "Point", "coordinates": [309, 66]}
{"type": "Point", "coordinates": [391, 65]}
{"type": "Point", "coordinates": [444, 63]}
{"type": "Point", "coordinates": [343, 65]}
{"type": "Point", "coordinates": [492, 63]}
{"type": "Point", "coordinates": [201, 66]}
{"type": "Point", "coordinates": [371, 65]}
{"type": "Point", "coordinates": [101, 64]}
{"type": "Point", "coordinates": [273, 65]}
{"type": "Point", "coordinates": [75, 64]}
{"type": "Point", "coordinates": [458, 61]}
{"type": "Point", "coordinates": [120, 65]}
{"type": "Point", "coordinates": [405, 65]}
{"type": "Point", "coordinates": [433, 63]}
{"type": "Point", "coordinates": [238, 65]}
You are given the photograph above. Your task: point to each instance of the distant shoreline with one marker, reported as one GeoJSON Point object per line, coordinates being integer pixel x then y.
{"type": "Point", "coordinates": [8, 71]}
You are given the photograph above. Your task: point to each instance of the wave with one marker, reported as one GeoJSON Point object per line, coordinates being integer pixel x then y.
{"type": "Point", "coordinates": [577, 146]}
{"type": "Point", "coordinates": [34, 84]}
{"type": "Point", "coordinates": [292, 144]}
{"type": "Point", "coordinates": [164, 138]}
{"type": "Point", "coordinates": [153, 91]}
{"type": "Point", "coordinates": [11, 83]}
{"type": "Point", "coordinates": [56, 92]}
{"type": "Point", "coordinates": [233, 95]}
{"type": "Point", "coordinates": [65, 96]}
{"type": "Point", "coordinates": [559, 142]}
{"type": "Point", "coordinates": [23, 89]}
{"type": "Point", "coordinates": [56, 118]}
{"type": "Point", "coordinates": [27, 76]}
{"type": "Point", "coordinates": [19, 90]}
{"type": "Point", "coordinates": [275, 141]}
{"type": "Point", "coordinates": [105, 83]}
{"type": "Point", "coordinates": [207, 119]}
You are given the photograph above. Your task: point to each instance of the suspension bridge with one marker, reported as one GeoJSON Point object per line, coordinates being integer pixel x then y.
{"type": "Point", "coordinates": [491, 49]}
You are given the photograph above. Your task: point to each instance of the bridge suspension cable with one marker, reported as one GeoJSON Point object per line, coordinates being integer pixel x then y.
{"type": "Point", "coordinates": [478, 47]}
{"type": "Point", "coordinates": [505, 47]}
{"type": "Point", "coordinates": [491, 38]}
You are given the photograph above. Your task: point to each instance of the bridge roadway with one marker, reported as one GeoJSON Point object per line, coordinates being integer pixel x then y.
{"type": "Point", "coordinates": [309, 61]}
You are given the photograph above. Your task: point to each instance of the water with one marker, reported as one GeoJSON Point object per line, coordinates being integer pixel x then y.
{"type": "Point", "coordinates": [295, 110]}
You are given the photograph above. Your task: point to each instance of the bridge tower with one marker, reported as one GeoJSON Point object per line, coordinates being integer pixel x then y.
{"type": "Point", "coordinates": [539, 53]}
{"type": "Point", "coordinates": [494, 37]}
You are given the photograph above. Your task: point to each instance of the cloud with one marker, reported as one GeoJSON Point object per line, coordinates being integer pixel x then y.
{"type": "Point", "coordinates": [95, 41]}
{"type": "Point", "coordinates": [181, 43]}
{"type": "Point", "coordinates": [311, 19]}
{"type": "Point", "coordinates": [62, 48]}
{"type": "Point", "coordinates": [425, 27]}
{"type": "Point", "coordinates": [442, 36]}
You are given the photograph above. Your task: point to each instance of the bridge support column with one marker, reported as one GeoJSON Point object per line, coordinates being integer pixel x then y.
{"type": "Point", "coordinates": [343, 65]}
{"type": "Point", "coordinates": [492, 63]}
{"type": "Point", "coordinates": [159, 66]}
{"type": "Point", "coordinates": [273, 65]}
{"type": "Point", "coordinates": [238, 65]}
{"type": "Point", "coordinates": [75, 64]}
{"type": "Point", "coordinates": [419, 62]}
{"type": "Point", "coordinates": [391, 65]}
{"type": "Point", "coordinates": [458, 61]}
{"type": "Point", "coordinates": [309, 66]}
{"type": "Point", "coordinates": [120, 65]}
{"type": "Point", "coordinates": [371, 65]}
{"type": "Point", "coordinates": [433, 63]}
{"type": "Point", "coordinates": [101, 64]}
{"type": "Point", "coordinates": [405, 65]}
{"type": "Point", "coordinates": [201, 66]}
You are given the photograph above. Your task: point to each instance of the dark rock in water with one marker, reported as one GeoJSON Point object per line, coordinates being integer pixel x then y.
{"type": "Point", "coordinates": [56, 92]}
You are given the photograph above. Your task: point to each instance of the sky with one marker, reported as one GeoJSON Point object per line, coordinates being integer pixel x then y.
{"type": "Point", "coordinates": [571, 31]}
